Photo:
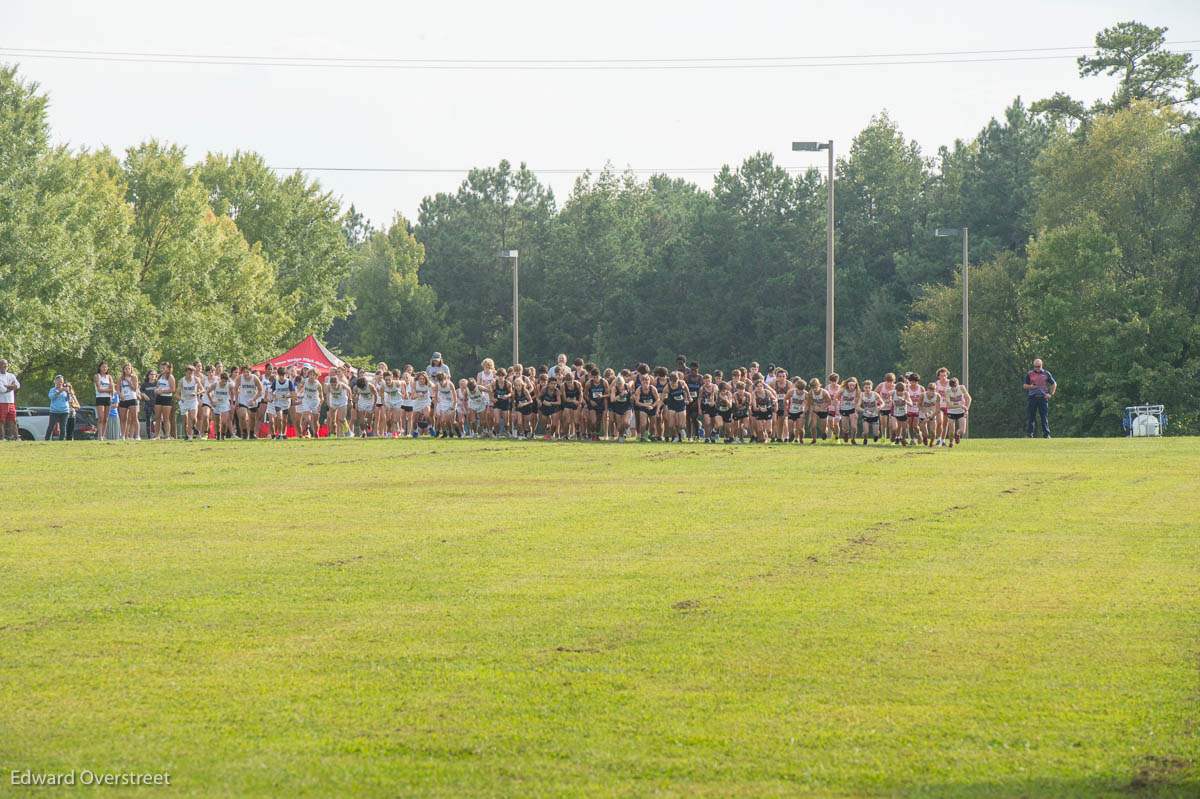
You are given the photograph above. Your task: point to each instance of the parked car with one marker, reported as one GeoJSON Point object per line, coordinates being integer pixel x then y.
{"type": "Point", "coordinates": [32, 421]}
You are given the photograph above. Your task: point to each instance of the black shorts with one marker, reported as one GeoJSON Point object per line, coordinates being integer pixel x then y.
{"type": "Point", "coordinates": [870, 419]}
{"type": "Point", "coordinates": [619, 408]}
{"type": "Point", "coordinates": [708, 410]}
{"type": "Point", "coordinates": [795, 416]}
{"type": "Point", "coordinates": [741, 415]}
{"type": "Point", "coordinates": [406, 408]}
{"type": "Point", "coordinates": [503, 405]}
{"type": "Point", "coordinates": [675, 408]}
{"type": "Point", "coordinates": [647, 411]}
{"type": "Point", "coordinates": [955, 414]}
{"type": "Point", "coordinates": [527, 409]}
{"type": "Point", "coordinates": [885, 412]}
{"type": "Point", "coordinates": [762, 416]}
{"type": "Point", "coordinates": [166, 401]}
{"type": "Point", "coordinates": [848, 411]}
{"type": "Point", "coordinates": [127, 403]}
{"type": "Point", "coordinates": [103, 401]}
{"type": "Point", "coordinates": [549, 410]}
{"type": "Point", "coordinates": [570, 405]}
{"type": "Point", "coordinates": [823, 414]}
{"type": "Point", "coordinates": [726, 416]}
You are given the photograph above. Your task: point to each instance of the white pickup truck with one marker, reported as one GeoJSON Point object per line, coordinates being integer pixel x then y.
{"type": "Point", "coordinates": [32, 421]}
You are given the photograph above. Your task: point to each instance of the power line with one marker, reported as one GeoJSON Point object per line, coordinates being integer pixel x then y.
{"type": "Point", "coordinates": [442, 171]}
{"type": "Point", "coordinates": [792, 62]}
{"type": "Point", "coordinates": [549, 61]}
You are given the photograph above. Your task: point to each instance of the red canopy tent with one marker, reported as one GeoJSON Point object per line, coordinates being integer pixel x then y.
{"type": "Point", "coordinates": [308, 352]}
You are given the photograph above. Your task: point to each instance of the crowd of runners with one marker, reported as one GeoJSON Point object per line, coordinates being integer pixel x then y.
{"type": "Point", "coordinates": [565, 401]}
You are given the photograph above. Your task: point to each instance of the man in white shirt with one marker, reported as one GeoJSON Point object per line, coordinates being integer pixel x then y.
{"type": "Point", "coordinates": [8, 403]}
{"type": "Point", "coordinates": [559, 369]}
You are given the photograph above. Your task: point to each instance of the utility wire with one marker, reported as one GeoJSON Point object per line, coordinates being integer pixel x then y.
{"type": "Point", "coordinates": [792, 62]}
{"type": "Point", "coordinates": [551, 61]}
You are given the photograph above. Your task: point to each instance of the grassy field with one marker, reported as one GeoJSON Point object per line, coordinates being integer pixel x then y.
{"type": "Point", "coordinates": [432, 618]}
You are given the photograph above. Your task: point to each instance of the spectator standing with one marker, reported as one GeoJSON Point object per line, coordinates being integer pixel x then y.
{"type": "Point", "coordinates": [60, 408]}
{"type": "Point", "coordinates": [1041, 387]}
{"type": "Point", "coordinates": [149, 391]}
{"type": "Point", "coordinates": [437, 367]}
{"type": "Point", "coordinates": [8, 403]}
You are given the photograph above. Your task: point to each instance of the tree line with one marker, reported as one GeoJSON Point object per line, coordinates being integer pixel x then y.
{"type": "Point", "coordinates": [1084, 226]}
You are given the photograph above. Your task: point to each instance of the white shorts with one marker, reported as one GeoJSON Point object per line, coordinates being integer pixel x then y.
{"type": "Point", "coordinates": [366, 406]}
{"type": "Point", "coordinates": [420, 407]}
{"type": "Point", "coordinates": [222, 407]}
{"type": "Point", "coordinates": [309, 407]}
{"type": "Point", "coordinates": [478, 407]}
{"type": "Point", "coordinates": [445, 407]}
{"type": "Point", "coordinates": [189, 405]}
{"type": "Point", "coordinates": [394, 404]}
{"type": "Point", "coordinates": [337, 403]}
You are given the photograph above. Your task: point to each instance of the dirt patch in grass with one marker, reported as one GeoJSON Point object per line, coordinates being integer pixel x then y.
{"type": "Point", "coordinates": [577, 649]}
{"type": "Point", "coordinates": [1156, 770]}
{"type": "Point", "coordinates": [687, 604]}
{"type": "Point", "coordinates": [336, 563]}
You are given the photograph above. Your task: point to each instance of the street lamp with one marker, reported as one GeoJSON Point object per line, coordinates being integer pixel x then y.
{"type": "Point", "coordinates": [966, 345]}
{"type": "Point", "coordinates": [815, 146]}
{"type": "Point", "coordinates": [516, 348]}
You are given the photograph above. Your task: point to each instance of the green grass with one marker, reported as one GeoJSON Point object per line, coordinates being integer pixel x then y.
{"type": "Point", "coordinates": [1009, 618]}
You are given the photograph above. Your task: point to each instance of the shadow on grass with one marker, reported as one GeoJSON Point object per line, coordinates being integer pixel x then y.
{"type": "Point", "coordinates": [1152, 783]}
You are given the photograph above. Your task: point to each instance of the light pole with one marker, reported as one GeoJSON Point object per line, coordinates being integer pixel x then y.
{"type": "Point", "coordinates": [966, 342]}
{"type": "Point", "coordinates": [516, 335]}
{"type": "Point", "coordinates": [814, 146]}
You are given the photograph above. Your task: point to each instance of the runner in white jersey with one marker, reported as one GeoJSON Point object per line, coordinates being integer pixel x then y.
{"type": "Point", "coordinates": [422, 402]}
{"type": "Point", "coordinates": [477, 406]}
{"type": "Point", "coordinates": [942, 384]}
{"type": "Point", "coordinates": [283, 388]}
{"type": "Point", "coordinates": [310, 405]}
{"type": "Point", "coordinates": [443, 419]}
{"type": "Point", "coordinates": [958, 402]}
{"type": "Point", "coordinates": [249, 390]}
{"type": "Point", "coordinates": [220, 394]}
{"type": "Point", "coordinates": [337, 396]}
{"type": "Point", "coordinates": [929, 411]}
{"type": "Point", "coordinates": [188, 389]}
{"type": "Point", "coordinates": [847, 405]}
{"type": "Point", "coordinates": [393, 401]}
{"type": "Point", "coordinates": [869, 406]}
{"type": "Point", "coordinates": [364, 400]}
{"type": "Point", "coordinates": [887, 397]}
{"type": "Point", "coordinates": [486, 379]}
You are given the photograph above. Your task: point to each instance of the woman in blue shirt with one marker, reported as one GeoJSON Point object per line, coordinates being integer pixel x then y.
{"type": "Point", "coordinates": [60, 397]}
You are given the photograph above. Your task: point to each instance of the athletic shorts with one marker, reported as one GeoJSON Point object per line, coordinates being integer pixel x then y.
{"type": "Point", "coordinates": [648, 412]}
{"type": "Point", "coordinates": [222, 408]}
{"type": "Point", "coordinates": [8, 412]}
{"type": "Point", "coordinates": [795, 416]}
{"type": "Point", "coordinates": [619, 408]}
{"type": "Point", "coordinates": [166, 401]}
{"type": "Point", "coordinates": [885, 412]}
{"type": "Point", "coordinates": [848, 411]}
{"type": "Point", "coordinates": [366, 407]}
{"type": "Point", "coordinates": [527, 410]}
{"type": "Point", "coordinates": [913, 414]}
{"type": "Point", "coordinates": [675, 408]}
{"type": "Point", "coordinates": [762, 416]}
{"type": "Point", "coordinates": [955, 414]}
{"type": "Point", "coordinates": [549, 410]}
{"type": "Point", "coordinates": [726, 416]}
{"type": "Point", "coordinates": [188, 405]}
{"type": "Point", "coordinates": [503, 405]}
{"type": "Point", "coordinates": [478, 408]}
{"type": "Point", "coordinates": [870, 419]}
{"type": "Point", "coordinates": [127, 403]}
{"type": "Point", "coordinates": [103, 401]}
{"type": "Point", "coordinates": [823, 414]}
{"type": "Point", "coordinates": [708, 410]}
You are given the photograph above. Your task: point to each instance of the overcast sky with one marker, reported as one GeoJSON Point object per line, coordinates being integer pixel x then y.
{"type": "Point", "coordinates": [551, 119]}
